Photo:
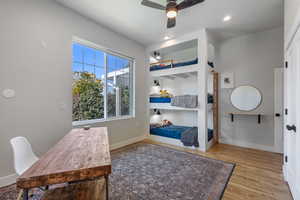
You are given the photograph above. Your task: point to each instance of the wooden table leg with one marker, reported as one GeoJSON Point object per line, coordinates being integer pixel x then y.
{"type": "Point", "coordinates": [106, 185]}
{"type": "Point", "coordinates": [25, 194]}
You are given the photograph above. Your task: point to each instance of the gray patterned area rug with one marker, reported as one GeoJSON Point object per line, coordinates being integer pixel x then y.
{"type": "Point", "coordinates": [153, 172]}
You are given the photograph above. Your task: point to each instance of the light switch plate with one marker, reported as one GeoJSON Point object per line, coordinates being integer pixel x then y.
{"type": "Point", "coordinates": [9, 93]}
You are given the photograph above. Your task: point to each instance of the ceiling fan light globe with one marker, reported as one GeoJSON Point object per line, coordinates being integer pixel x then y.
{"type": "Point", "coordinates": [171, 13]}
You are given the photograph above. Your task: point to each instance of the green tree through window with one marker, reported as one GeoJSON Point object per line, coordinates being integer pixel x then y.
{"type": "Point", "coordinates": [88, 100]}
{"type": "Point", "coordinates": [94, 72]}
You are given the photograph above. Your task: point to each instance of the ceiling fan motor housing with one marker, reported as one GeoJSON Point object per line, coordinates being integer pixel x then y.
{"type": "Point", "coordinates": [171, 6]}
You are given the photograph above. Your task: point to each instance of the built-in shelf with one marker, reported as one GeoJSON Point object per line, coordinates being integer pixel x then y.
{"type": "Point", "coordinates": [167, 106]}
{"type": "Point", "coordinates": [179, 72]}
{"type": "Point", "coordinates": [259, 115]}
{"type": "Point", "coordinates": [182, 72]}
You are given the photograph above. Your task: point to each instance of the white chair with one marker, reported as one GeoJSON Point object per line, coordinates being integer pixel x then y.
{"type": "Point", "coordinates": [23, 154]}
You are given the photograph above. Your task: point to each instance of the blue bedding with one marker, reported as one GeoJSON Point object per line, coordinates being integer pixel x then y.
{"type": "Point", "coordinates": [210, 99]}
{"type": "Point", "coordinates": [175, 132]}
{"type": "Point", "coordinates": [160, 100]}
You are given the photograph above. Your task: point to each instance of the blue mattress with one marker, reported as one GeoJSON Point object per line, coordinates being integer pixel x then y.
{"type": "Point", "coordinates": [160, 100]}
{"type": "Point", "coordinates": [170, 131]}
{"type": "Point", "coordinates": [175, 132]}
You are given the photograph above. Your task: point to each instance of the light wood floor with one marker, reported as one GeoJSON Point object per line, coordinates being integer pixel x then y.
{"type": "Point", "coordinates": [257, 175]}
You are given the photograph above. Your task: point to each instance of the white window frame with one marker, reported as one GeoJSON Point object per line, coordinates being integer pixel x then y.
{"type": "Point", "coordinates": [132, 91]}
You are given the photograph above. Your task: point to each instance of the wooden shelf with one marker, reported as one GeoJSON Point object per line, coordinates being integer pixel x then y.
{"type": "Point", "coordinates": [259, 115]}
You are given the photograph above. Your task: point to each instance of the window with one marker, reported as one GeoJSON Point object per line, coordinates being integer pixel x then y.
{"type": "Point", "coordinates": [102, 84]}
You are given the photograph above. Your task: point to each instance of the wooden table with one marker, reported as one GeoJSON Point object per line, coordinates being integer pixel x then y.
{"type": "Point", "coordinates": [80, 155]}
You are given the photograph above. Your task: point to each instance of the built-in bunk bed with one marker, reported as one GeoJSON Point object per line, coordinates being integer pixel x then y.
{"type": "Point", "coordinates": [173, 101]}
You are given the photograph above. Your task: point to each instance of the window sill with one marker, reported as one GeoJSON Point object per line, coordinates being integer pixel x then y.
{"type": "Point", "coordinates": [95, 121]}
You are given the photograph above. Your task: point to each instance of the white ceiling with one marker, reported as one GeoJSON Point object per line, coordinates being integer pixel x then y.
{"type": "Point", "coordinates": [147, 26]}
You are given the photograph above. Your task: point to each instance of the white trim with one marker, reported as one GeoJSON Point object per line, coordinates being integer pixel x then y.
{"type": "Point", "coordinates": [170, 141]}
{"type": "Point", "coordinates": [297, 195]}
{"type": "Point", "coordinates": [133, 85]}
{"type": "Point", "coordinates": [167, 106]}
{"type": "Point", "coordinates": [105, 86]}
{"type": "Point", "coordinates": [95, 121]}
{"type": "Point", "coordinates": [176, 70]}
{"type": "Point", "coordinates": [8, 180]}
{"type": "Point", "coordinates": [248, 145]}
{"type": "Point", "coordinates": [284, 172]}
{"type": "Point", "coordinates": [127, 142]}
{"type": "Point", "coordinates": [278, 108]}
{"type": "Point", "coordinates": [202, 90]}
{"type": "Point", "coordinates": [131, 69]}
{"type": "Point", "coordinates": [210, 143]}
{"type": "Point", "coordinates": [294, 188]}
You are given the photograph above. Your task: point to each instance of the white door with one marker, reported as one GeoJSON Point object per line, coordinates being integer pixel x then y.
{"type": "Point", "coordinates": [292, 117]}
{"type": "Point", "coordinates": [278, 108]}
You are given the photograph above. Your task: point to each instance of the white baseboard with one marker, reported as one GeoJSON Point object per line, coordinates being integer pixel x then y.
{"type": "Point", "coordinates": [292, 183]}
{"type": "Point", "coordinates": [284, 172]}
{"type": "Point", "coordinates": [248, 145]}
{"type": "Point", "coordinates": [8, 180]}
{"type": "Point", "coordinates": [297, 196]}
{"type": "Point", "coordinates": [127, 142]}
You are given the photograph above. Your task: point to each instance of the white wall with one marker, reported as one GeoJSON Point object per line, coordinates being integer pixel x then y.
{"type": "Point", "coordinates": [36, 55]}
{"type": "Point", "coordinates": [252, 58]}
{"type": "Point", "coordinates": [181, 86]}
{"type": "Point", "coordinates": [181, 55]}
{"type": "Point", "coordinates": [291, 9]}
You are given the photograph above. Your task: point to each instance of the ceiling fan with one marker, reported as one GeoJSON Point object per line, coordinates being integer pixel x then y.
{"type": "Point", "coordinates": [171, 8]}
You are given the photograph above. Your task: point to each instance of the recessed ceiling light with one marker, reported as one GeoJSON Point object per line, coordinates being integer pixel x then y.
{"type": "Point", "coordinates": [166, 37]}
{"type": "Point", "coordinates": [227, 18]}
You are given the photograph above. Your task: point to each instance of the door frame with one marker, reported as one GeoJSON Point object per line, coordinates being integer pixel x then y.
{"type": "Point", "coordinates": [279, 134]}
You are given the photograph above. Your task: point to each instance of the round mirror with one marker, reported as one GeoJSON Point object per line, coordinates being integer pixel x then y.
{"type": "Point", "coordinates": [246, 98]}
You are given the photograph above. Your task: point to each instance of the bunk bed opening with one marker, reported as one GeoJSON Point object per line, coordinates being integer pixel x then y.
{"type": "Point", "coordinates": [177, 125]}
{"type": "Point", "coordinates": [180, 55]}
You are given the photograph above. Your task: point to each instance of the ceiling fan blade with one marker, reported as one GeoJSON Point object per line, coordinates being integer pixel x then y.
{"type": "Point", "coordinates": [188, 3]}
{"type": "Point", "coordinates": [171, 22]}
{"type": "Point", "coordinates": [153, 5]}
